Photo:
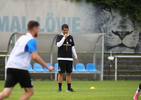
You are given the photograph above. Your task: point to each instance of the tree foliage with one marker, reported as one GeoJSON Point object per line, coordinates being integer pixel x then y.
{"type": "Point", "coordinates": [130, 7]}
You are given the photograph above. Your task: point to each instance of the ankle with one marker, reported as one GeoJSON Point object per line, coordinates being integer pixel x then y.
{"type": "Point", "coordinates": [69, 86]}
{"type": "Point", "coordinates": [60, 85]}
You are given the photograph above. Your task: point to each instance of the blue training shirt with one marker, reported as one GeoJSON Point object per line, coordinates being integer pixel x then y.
{"type": "Point", "coordinates": [31, 46]}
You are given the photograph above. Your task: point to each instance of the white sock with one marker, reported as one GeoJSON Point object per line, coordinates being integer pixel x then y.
{"type": "Point", "coordinates": [138, 90]}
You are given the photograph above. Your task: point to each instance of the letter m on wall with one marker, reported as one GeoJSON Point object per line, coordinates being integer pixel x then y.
{"type": "Point", "coordinates": [4, 24]}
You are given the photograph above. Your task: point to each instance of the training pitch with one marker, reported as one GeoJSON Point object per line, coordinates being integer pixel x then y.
{"type": "Point", "coordinates": [104, 90]}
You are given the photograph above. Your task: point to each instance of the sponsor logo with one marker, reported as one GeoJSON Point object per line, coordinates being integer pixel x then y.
{"type": "Point", "coordinates": [67, 44]}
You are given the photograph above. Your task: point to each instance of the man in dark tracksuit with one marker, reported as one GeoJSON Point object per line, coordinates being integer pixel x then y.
{"type": "Point", "coordinates": [66, 47]}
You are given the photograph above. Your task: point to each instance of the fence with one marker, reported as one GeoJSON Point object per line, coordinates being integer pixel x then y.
{"type": "Point", "coordinates": [122, 57]}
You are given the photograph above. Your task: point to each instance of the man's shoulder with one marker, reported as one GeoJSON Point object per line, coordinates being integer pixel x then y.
{"type": "Point", "coordinates": [60, 35]}
{"type": "Point", "coordinates": [32, 41]}
{"type": "Point", "coordinates": [26, 37]}
{"type": "Point", "coordinates": [70, 36]}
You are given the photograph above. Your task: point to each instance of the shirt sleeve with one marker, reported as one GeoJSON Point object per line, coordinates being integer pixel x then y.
{"type": "Point", "coordinates": [74, 52]}
{"type": "Point", "coordinates": [60, 41]}
{"type": "Point", "coordinates": [31, 46]}
{"type": "Point", "coordinates": [73, 42]}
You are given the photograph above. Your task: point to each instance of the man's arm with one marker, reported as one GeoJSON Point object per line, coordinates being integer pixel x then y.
{"type": "Point", "coordinates": [31, 47]}
{"type": "Point", "coordinates": [60, 42]}
{"type": "Point", "coordinates": [39, 60]}
{"type": "Point", "coordinates": [74, 53]}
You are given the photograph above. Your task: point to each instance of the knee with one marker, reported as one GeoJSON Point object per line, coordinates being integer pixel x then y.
{"type": "Point", "coordinates": [30, 92]}
{"type": "Point", "coordinates": [60, 74]}
{"type": "Point", "coordinates": [5, 94]}
{"type": "Point", "coordinates": [68, 74]}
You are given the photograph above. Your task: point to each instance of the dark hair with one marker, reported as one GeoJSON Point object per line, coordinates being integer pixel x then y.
{"type": "Point", "coordinates": [32, 24]}
{"type": "Point", "coordinates": [65, 26]}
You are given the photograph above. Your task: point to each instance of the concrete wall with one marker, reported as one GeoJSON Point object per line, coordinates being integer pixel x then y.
{"type": "Point", "coordinates": [122, 34]}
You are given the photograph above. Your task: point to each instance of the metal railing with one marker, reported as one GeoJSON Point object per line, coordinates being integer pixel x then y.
{"type": "Point", "coordinates": [122, 57]}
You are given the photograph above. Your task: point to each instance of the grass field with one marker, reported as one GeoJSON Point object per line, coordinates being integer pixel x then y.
{"type": "Point", "coordinates": [104, 90]}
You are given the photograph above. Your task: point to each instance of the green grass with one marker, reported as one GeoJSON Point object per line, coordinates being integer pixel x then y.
{"type": "Point", "coordinates": [3, 53]}
{"type": "Point", "coordinates": [104, 90]}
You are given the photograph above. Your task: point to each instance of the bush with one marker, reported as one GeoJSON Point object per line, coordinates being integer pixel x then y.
{"type": "Point", "coordinates": [130, 7]}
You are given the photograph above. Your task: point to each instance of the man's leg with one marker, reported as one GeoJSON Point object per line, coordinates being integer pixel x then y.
{"type": "Point", "coordinates": [5, 93]}
{"type": "Point", "coordinates": [60, 77]}
{"type": "Point", "coordinates": [9, 84]}
{"type": "Point", "coordinates": [68, 79]}
{"type": "Point", "coordinates": [61, 68]}
{"type": "Point", "coordinates": [28, 93]}
{"type": "Point", "coordinates": [136, 96]}
{"type": "Point", "coordinates": [60, 80]}
{"type": "Point", "coordinates": [68, 75]}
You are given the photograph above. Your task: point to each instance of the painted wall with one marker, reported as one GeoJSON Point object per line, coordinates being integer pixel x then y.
{"type": "Point", "coordinates": [81, 17]}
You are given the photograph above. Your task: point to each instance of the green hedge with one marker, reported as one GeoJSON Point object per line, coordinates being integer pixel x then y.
{"type": "Point", "coordinates": [130, 7]}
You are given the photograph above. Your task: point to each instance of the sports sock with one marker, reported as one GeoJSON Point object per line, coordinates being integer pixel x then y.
{"type": "Point", "coordinates": [69, 86]}
{"type": "Point", "coordinates": [138, 90]}
{"type": "Point", "coordinates": [60, 85]}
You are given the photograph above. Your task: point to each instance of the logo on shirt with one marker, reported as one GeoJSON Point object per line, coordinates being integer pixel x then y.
{"type": "Point", "coordinates": [70, 40]}
{"type": "Point", "coordinates": [18, 43]}
{"type": "Point", "coordinates": [66, 44]}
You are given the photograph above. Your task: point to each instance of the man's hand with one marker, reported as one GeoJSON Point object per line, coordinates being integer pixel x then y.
{"type": "Point", "coordinates": [76, 60]}
{"type": "Point", "coordinates": [66, 35]}
{"type": "Point", "coordinates": [39, 60]}
{"type": "Point", "coordinates": [51, 68]}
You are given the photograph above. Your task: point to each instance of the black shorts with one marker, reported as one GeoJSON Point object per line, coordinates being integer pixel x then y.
{"type": "Point", "coordinates": [65, 65]}
{"type": "Point", "coordinates": [15, 76]}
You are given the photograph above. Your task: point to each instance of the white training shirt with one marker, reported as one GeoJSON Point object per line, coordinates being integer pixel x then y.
{"type": "Point", "coordinates": [19, 58]}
